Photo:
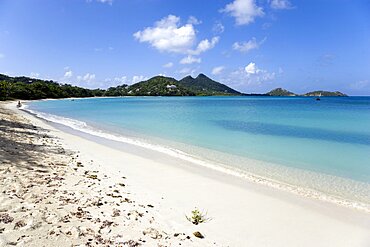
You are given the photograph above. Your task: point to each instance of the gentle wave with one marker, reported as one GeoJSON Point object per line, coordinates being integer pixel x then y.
{"type": "Point", "coordinates": [303, 191]}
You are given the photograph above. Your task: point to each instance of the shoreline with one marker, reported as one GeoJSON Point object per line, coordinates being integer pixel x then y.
{"type": "Point", "coordinates": [298, 190]}
{"type": "Point", "coordinates": [53, 195]}
{"type": "Point", "coordinates": [240, 210]}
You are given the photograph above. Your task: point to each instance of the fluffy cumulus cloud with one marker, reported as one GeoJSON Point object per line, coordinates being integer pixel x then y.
{"type": "Point", "coordinates": [217, 70]}
{"type": "Point", "coordinates": [247, 45]}
{"type": "Point", "coordinates": [205, 45]}
{"type": "Point", "coordinates": [168, 65]}
{"type": "Point", "coordinates": [167, 35]}
{"type": "Point", "coordinates": [251, 68]}
{"type": "Point", "coordinates": [249, 77]}
{"type": "Point", "coordinates": [244, 11]}
{"type": "Point", "coordinates": [88, 78]}
{"type": "Point", "coordinates": [280, 4]}
{"type": "Point", "coordinates": [190, 59]}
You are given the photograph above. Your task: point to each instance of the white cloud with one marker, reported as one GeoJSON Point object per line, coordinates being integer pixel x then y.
{"type": "Point", "coordinates": [187, 71]}
{"type": "Point", "coordinates": [250, 76]}
{"type": "Point", "coordinates": [138, 78]}
{"type": "Point", "coordinates": [251, 68]}
{"type": "Point", "coordinates": [89, 78]}
{"type": "Point", "coordinates": [244, 11]}
{"type": "Point", "coordinates": [108, 82]}
{"type": "Point", "coordinates": [168, 65]}
{"type": "Point", "coordinates": [205, 45]}
{"type": "Point", "coordinates": [217, 70]}
{"type": "Point", "coordinates": [190, 59]}
{"type": "Point", "coordinates": [68, 74]}
{"type": "Point", "coordinates": [168, 36]}
{"type": "Point", "coordinates": [248, 45]}
{"type": "Point", "coordinates": [34, 74]}
{"type": "Point", "coordinates": [280, 4]}
{"type": "Point", "coordinates": [193, 20]}
{"type": "Point", "coordinates": [218, 28]}
{"type": "Point", "coordinates": [120, 80]}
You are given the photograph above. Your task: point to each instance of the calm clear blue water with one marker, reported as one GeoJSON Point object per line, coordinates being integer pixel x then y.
{"type": "Point", "coordinates": [316, 144]}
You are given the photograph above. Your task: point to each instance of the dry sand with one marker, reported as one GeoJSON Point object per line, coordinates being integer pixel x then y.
{"type": "Point", "coordinates": [62, 189]}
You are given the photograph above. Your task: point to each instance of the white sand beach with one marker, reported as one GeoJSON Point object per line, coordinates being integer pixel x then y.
{"type": "Point", "coordinates": [96, 195]}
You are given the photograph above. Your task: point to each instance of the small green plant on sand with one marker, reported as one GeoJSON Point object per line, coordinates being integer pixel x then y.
{"type": "Point", "coordinates": [197, 217]}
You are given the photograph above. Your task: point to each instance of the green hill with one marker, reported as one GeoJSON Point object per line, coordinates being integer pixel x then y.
{"type": "Point", "coordinates": [167, 86]}
{"type": "Point", "coordinates": [325, 93]}
{"type": "Point", "coordinates": [159, 86]}
{"type": "Point", "coordinates": [202, 85]}
{"type": "Point", "coordinates": [31, 88]}
{"type": "Point", "coordinates": [280, 92]}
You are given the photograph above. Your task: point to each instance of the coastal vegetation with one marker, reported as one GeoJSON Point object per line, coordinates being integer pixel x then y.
{"type": "Point", "coordinates": [324, 93]}
{"type": "Point", "coordinates": [27, 88]}
{"type": "Point", "coordinates": [197, 217]}
{"type": "Point", "coordinates": [156, 86]}
{"type": "Point", "coordinates": [167, 86]}
{"type": "Point", "coordinates": [280, 92]}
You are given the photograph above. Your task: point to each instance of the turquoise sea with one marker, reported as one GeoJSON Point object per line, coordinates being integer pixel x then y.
{"type": "Point", "coordinates": [317, 146]}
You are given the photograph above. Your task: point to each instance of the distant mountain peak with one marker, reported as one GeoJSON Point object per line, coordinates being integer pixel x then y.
{"type": "Point", "coordinates": [202, 75]}
{"type": "Point", "coordinates": [203, 85]}
{"type": "Point", "coordinates": [188, 77]}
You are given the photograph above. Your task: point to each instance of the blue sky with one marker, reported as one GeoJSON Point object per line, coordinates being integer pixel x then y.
{"type": "Point", "coordinates": [250, 45]}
